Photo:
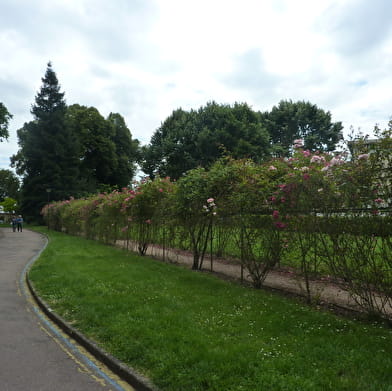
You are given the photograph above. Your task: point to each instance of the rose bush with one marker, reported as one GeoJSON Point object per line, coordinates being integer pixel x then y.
{"type": "Point", "coordinates": [314, 210]}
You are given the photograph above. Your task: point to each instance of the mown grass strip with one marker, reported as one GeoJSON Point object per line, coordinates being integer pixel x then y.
{"type": "Point", "coordinates": [191, 331]}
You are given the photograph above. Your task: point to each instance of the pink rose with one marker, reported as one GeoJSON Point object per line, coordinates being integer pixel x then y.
{"type": "Point", "coordinates": [298, 143]}
{"type": "Point", "coordinates": [280, 225]}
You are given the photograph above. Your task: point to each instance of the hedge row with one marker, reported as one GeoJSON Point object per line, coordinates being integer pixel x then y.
{"type": "Point", "coordinates": [325, 213]}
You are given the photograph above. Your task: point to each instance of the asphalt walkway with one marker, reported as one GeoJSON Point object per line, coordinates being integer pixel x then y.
{"type": "Point", "coordinates": [34, 355]}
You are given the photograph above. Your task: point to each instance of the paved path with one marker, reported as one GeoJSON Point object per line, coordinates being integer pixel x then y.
{"type": "Point", "coordinates": [33, 356]}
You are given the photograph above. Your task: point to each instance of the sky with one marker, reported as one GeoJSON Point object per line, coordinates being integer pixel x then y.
{"type": "Point", "coordinates": [145, 58]}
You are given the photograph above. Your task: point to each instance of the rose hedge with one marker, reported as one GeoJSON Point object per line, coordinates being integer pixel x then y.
{"type": "Point", "coordinates": [304, 207]}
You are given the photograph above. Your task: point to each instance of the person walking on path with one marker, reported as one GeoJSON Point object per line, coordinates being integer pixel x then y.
{"type": "Point", "coordinates": [13, 223]}
{"type": "Point", "coordinates": [19, 223]}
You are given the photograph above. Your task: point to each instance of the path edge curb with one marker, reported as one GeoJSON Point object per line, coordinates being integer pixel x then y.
{"type": "Point", "coordinates": [139, 382]}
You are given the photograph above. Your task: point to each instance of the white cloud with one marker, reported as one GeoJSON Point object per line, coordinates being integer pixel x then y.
{"type": "Point", "coordinates": [145, 58]}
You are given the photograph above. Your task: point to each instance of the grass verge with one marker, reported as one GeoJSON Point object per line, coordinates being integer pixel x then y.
{"type": "Point", "coordinates": [191, 331]}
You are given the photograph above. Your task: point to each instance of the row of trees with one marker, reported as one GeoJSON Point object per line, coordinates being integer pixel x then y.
{"type": "Point", "coordinates": [70, 150]}
{"type": "Point", "coordinates": [73, 150]}
{"type": "Point", "coordinates": [317, 212]}
{"type": "Point", "coordinates": [197, 138]}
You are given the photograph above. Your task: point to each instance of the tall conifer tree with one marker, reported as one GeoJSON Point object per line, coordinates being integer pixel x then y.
{"type": "Point", "coordinates": [48, 149]}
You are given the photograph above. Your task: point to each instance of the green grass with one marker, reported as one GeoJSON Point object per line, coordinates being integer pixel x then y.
{"type": "Point", "coordinates": [191, 331]}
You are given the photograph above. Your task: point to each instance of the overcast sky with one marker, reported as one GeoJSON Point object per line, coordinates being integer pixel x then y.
{"type": "Point", "coordinates": [145, 58]}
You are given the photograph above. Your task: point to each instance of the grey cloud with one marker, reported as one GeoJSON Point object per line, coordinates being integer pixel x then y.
{"type": "Point", "coordinates": [17, 97]}
{"type": "Point", "coordinates": [250, 74]}
{"type": "Point", "coordinates": [115, 30]}
{"type": "Point", "coordinates": [264, 89]}
{"type": "Point", "coordinates": [358, 26]}
{"type": "Point", "coordinates": [360, 83]}
{"type": "Point", "coordinates": [119, 29]}
{"type": "Point", "coordinates": [170, 85]}
{"type": "Point", "coordinates": [32, 23]}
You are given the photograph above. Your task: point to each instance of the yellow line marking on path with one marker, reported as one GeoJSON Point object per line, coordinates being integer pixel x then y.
{"type": "Point", "coordinates": [80, 366]}
{"type": "Point", "coordinates": [19, 292]}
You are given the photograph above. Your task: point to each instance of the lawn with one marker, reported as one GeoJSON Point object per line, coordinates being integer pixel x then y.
{"type": "Point", "coordinates": [189, 330]}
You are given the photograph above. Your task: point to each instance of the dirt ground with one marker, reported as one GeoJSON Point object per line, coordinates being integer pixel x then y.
{"type": "Point", "coordinates": [324, 292]}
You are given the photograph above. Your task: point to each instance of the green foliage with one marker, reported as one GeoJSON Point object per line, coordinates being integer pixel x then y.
{"type": "Point", "coordinates": [73, 151]}
{"type": "Point", "coordinates": [148, 209]}
{"type": "Point", "coordinates": [363, 262]}
{"type": "Point", "coordinates": [9, 205]}
{"type": "Point", "coordinates": [381, 161]}
{"type": "Point", "coordinates": [286, 210]}
{"type": "Point", "coordinates": [107, 153]}
{"type": "Point", "coordinates": [187, 140]}
{"type": "Point", "coordinates": [170, 152]}
{"type": "Point", "coordinates": [5, 117]}
{"type": "Point", "coordinates": [194, 210]}
{"type": "Point", "coordinates": [127, 151]}
{"type": "Point", "coordinates": [97, 151]}
{"type": "Point", "coordinates": [48, 151]}
{"type": "Point", "coordinates": [301, 120]}
{"type": "Point", "coordinates": [109, 216]}
{"type": "Point", "coordinates": [9, 184]}
{"type": "Point", "coordinates": [49, 100]}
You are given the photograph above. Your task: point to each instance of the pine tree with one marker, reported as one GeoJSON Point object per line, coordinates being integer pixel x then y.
{"type": "Point", "coordinates": [49, 151]}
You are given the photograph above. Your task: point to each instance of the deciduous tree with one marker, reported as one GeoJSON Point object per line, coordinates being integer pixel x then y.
{"type": "Point", "coordinates": [193, 139]}
{"type": "Point", "coordinates": [5, 116]}
{"type": "Point", "coordinates": [9, 185]}
{"type": "Point", "coordinates": [126, 149]}
{"type": "Point", "coordinates": [96, 150]}
{"type": "Point", "coordinates": [301, 120]}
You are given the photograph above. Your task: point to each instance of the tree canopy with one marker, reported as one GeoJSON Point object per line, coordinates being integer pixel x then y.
{"type": "Point", "coordinates": [96, 150]}
{"type": "Point", "coordinates": [126, 149]}
{"type": "Point", "coordinates": [5, 116]}
{"type": "Point", "coordinates": [301, 120]}
{"type": "Point", "coordinates": [106, 149]}
{"type": "Point", "coordinates": [197, 138]}
{"type": "Point", "coordinates": [189, 139]}
{"type": "Point", "coordinates": [9, 185]}
{"type": "Point", "coordinates": [9, 205]}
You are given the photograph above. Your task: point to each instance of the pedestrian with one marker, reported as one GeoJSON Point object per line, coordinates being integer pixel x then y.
{"type": "Point", "coordinates": [19, 223]}
{"type": "Point", "coordinates": [13, 223]}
